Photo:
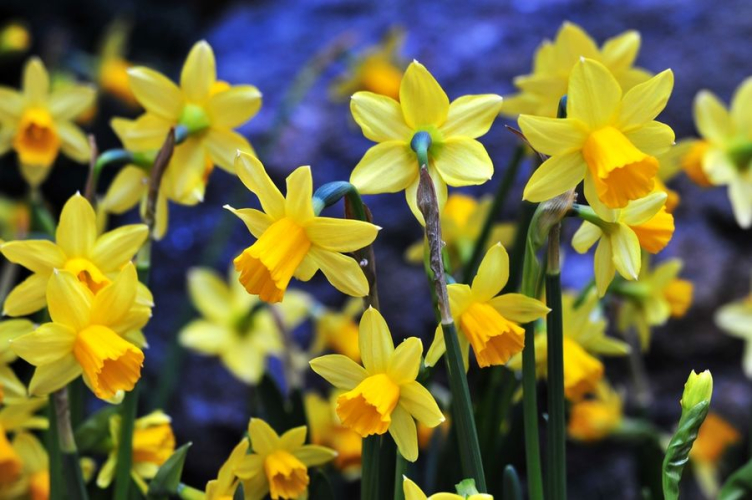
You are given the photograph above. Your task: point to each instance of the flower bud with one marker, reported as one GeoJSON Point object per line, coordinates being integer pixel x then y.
{"type": "Point", "coordinates": [699, 388]}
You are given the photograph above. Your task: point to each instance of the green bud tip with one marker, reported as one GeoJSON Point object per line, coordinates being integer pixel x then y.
{"type": "Point", "coordinates": [698, 389]}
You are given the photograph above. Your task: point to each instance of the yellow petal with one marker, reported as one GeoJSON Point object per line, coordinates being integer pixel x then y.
{"type": "Point", "coordinates": [604, 266]}
{"type": "Point", "coordinates": [233, 107]}
{"type": "Point", "coordinates": [471, 115]}
{"type": "Point", "coordinates": [519, 308]}
{"type": "Point", "coordinates": [405, 433]}
{"type": "Point", "coordinates": [419, 402]}
{"type": "Point", "coordinates": [255, 220]}
{"type": "Point", "coordinates": [199, 72]}
{"type": "Point", "coordinates": [69, 103]}
{"type": "Point", "coordinates": [344, 273]}
{"type": "Point", "coordinates": [573, 42]}
{"type": "Point", "coordinates": [422, 99]}
{"type": "Point", "coordinates": [312, 455]}
{"type": "Point", "coordinates": [49, 378]}
{"type": "Point", "coordinates": [115, 248]}
{"type": "Point", "coordinates": [223, 145]}
{"type": "Point", "coordinates": [411, 193]}
{"type": "Point", "coordinates": [263, 438]}
{"type": "Point", "coordinates": [45, 345]}
{"type": "Point", "coordinates": [385, 168]}
{"type": "Point", "coordinates": [254, 176]}
{"type": "Point", "coordinates": [155, 92]}
{"type": "Point", "coordinates": [626, 251]}
{"type": "Point", "coordinates": [654, 138]}
{"type": "Point", "coordinates": [298, 204]}
{"type": "Point", "coordinates": [594, 94]}
{"type": "Point", "coordinates": [740, 195]}
{"type": "Point", "coordinates": [77, 230]}
{"type": "Point", "coordinates": [11, 104]}
{"type": "Point", "coordinates": [375, 342]}
{"type": "Point", "coordinates": [340, 235]}
{"type": "Point", "coordinates": [210, 294]}
{"type": "Point", "coordinates": [741, 103]}
{"type": "Point", "coordinates": [146, 132]}
{"type": "Point", "coordinates": [126, 190]}
{"type": "Point", "coordinates": [113, 302]}
{"type": "Point", "coordinates": [380, 117]}
{"type": "Point", "coordinates": [39, 256]}
{"type": "Point", "coordinates": [249, 466]}
{"type": "Point", "coordinates": [404, 364]}
{"type": "Point", "coordinates": [585, 237]}
{"type": "Point", "coordinates": [645, 101]}
{"type": "Point", "coordinates": [340, 371]}
{"type": "Point", "coordinates": [555, 176]}
{"type": "Point", "coordinates": [620, 52]}
{"type": "Point", "coordinates": [293, 439]}
{"type": "Point", "coordinates": [438, 347]}
{"type": "Point", "coordinates": [68, 300]}
{"type": "Point", "coordinates": [711, 118]}
{"type": "Point", "coordinates": [186, 171]}
{"type": "Point", "coordinates": [553, 136]}
{"type": "Point", "coordinates": [412, 491]}
{"type": "Point", "coordinates": [493, 273]}
{"type": "Point", "coordinates": [205, 337]}
{"type": "Point", "coordinates": [642, 210]}
{"type": "Point", "coordinates": [73, 142]}
{"type": "Point", "coordinates": [27, 297]}
{"type": "Point", "coordinates": [463, 162]}
{"type": "Point", "coordinates": [36, 82]}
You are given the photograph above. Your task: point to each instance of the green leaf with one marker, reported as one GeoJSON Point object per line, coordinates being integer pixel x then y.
{"type": "Point", "coordinates": [677, 453]}
{"type": "Point", "coordinates": [93, 435]}
{"type": "Point", "coordinates": [320, 487]}
{"type": "Point", "coordinates": [167, 480]}
{"type": "Point", "coordinates": [739, 484]}
{"type": "Point", "coordinates": [512, 487]}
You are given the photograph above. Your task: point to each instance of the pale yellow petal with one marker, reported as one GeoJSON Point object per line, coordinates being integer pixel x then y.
{"type": "Point", "coordinates": [263, 438]}
{"type": "Point", "coordinates": [375, 342]}
{"type": "Point", "coordinates": [519, 308]}
{"type": "Point", "coordinates": [741, 104]}
{"type": "Point", "coordinates": [73, 142]}
{"type": "Point", "coordinates": [115, 248]}
{"type": "Point", "coordinates": [312, 455]}
{"type": "Point", "coordinates": [437, 349]}
{"type": "Point", "coordinates": [155, 92]}
{"type": "Point", "coordinates": [642, 210]}
{"type": "Point", "coordinates": [298, 203]}
{"type": "Point", "coordinates": [654, 138]}
{"type": "Point", "coordinates": [712, 119]}
{"type": "Point", "coordinates": [340, 235]}
{"type": "Point", "coordinates": [254, 176]}
{"type": "Point", "coordinates": [385, 168]}
{"type": "Point", "coordinates": [27, 297]}
{"type": "Point", "coordinates": [463, 162]}
{"type": "Point", "coordinates": [68, 301]}
{"type": "Point", "coordinates": [620, 52]}
{"type": "Point", "coordinates": [412, 491]}
{"type": "Point", "coordinates": [49, 378]}
{"type": "Point", "coordinates": [210, 294]}
{"type": "Point", "coordinates": [186, 172]}
{"type": "Point", "coordinates": [146, 132]}
{"type": "Point", "coordinates": [233, 107]}
{"type": "Point", "coordinates": [205, 337]}
{"type": "Point", "coordinates": [380, 117]}
{"type": "Point", "coordinates": [70, 102]}
{"type": "Point", "coordinates": [405, 433]}
{"type": "Point", "coordinates": [585, 237]}
{"type": "Point", "coordinates": [255, 220]}
{"type": "Point", "coordinates": [594, 94]}
{"type": "Point", "coordinates": [740, 195]}
{"type": "Point", "coordinates": [46, 344]}
{"type": "Point", "coordinates": [339, 370]}
{"type": "Point", "coordinates": [113, 302]}
{"type": "Point", "coordinates": [493, 273]}
{"type": "Point", "coordinates": [604, 266]}
{"type": "Point", "coordinates": [11, 104]}
{"type": "Point", "coordinates": [626, 252]}
{"type": "Point", "coordinates": [553, 136]}
{"type": "Point", "coordinates": [199, 72]}
{"type": "Point", "coordinates": [306, 269]}
{"type": "Point", "coordinates": [36, 82]}
{"type": "Point", "coordinates": [126, 190]}
{"type": "Point", "coordinates": [423, 100]}
{"type": "Point", "coordinates": [39, 256]}
{"type": "Point", "coordinates": [343, 272]}
{"type": "Point", "coordinates": [645, 101]}
{"type": "Point", "coordinates": [471, 115]}
{"type": "Point", "coordinates": [77, 231]}
{"type": "Point", "coordinates": [250, 466]}
{"type": "Point", "coordinates": [419, 402]}
{"type": "Point", "coordinates": [404, 364]}
{"type": "Point", "coordinates": [223, 145]}
{"type": "Point", "coordinates": [555, 176]}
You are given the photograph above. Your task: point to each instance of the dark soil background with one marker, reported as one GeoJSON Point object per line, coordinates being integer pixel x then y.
{"type": "Point", "coordinates": [471, 47]}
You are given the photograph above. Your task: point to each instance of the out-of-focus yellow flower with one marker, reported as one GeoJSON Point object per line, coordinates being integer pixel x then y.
{"type": "Point", "coordinates": [554, 60]}
{"type": "Point", "coordinates": [235, 326]}
{"type": "Point", "coordinates": [691, 160]}
{"type": "Point", "coordinates": [224, 487]}
{"type": "Point", "coordinates": [620, 234]}
{"type": "Point", "coordinates": [37, 123]}
{"type": "Point", "coordinates": [455, 157]}
{"type": "Point", "coordinates": [327, 430]}
{"type": "Point", "coordinates": [153, 444]}
{"type": "Point", "coordinates": [338, 331]}
{"type": "Point", "coordinates": [378, 69]}
{"type": "Point", "coordinates": [112, 70]}
{"type": "Point", "coordinates": [413, 492]}
{"type": "Point", "coordinates": [736, 320]}
{"type": "Point", "coordinates": [15, 218]}
{"type": "Point", "coordinates": [656, 296]}
{"type": "Point", "coordinates": [11, 388]}
{"type": "Point", "coordinates": [278, 465]}
{"type": "Point", "coordinates": [596, 418]}
{"type": "Point", "coordinates": [489, 323]}
{"type": "Point", "coordinates": [609, 139]}
{"type": "Point", "coordinates": [715, 436]}
{"type": "Point", "coordinates": [461, 223]}
{"type": "Point", "coordinates": [292, 240]}
{"type": "Point", "coordinates": [15, 466]}
{"type": "Point", "coordinates": [14, 38]}
{"type": "Point", "coordinates": [383, 393]}
{"type": "Point", "coordinates": [78, 248]}
{"type": "Point", "coordinates": [727, 158]}
{"type": "Point", "coordinates": [87, 335]}
{"type": "Point", "coordinates": [35, 481]}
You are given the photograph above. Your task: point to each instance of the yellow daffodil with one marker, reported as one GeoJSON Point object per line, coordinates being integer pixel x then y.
{"type": "Point", "coordinates": [714, 438]}
{"type": "Point", "coordinates": [338, 331]}
{"type": "Point", "coordinates": [656, 296]}
{"type": "Point", "coordinates": [11, 388]}
{"type": "Point", "coordinates": [455, 157]}
{"type": "Point", "coordinates": [608, 139]}
{"type": "Point", "coordinates": [78, 248]}
{"type": "Point", "coordinates": [235, 326]}
{"type": "Point", "coordinates": [621, 233]}
{"type": "Point", "coordinates": [327, 430]}
{"type": "Point", "coordinates": [413, 492]}
{"type": "Point", "coordinates": [112, 70]}
{"type": "Point", "coordinates": [153, 444]}
{"type": "Point", "coordinates": [37, 123]}
{"type": "Point", "coordinates": [540, 91]}
{"type": "Point", "coordinates": [278, 465]}
{"type": "Point", "coordinates": [35, 480]}
{"type": "Point", "coordinates": [461, 222]}
{"type": "Point", "coordinates": [727, 155]}
{"type": "Point", "coordinates": [489, 323]}
{"type": "Point", "coordinates": [14, 38]}
{"type": "Point", "coordinates": [87, 335]}
{"type": "Point", "coordinates": [14, 420]}
{"type": "Point", "coordinates": [594, 419]}
{"type": "Point", "coordinates": [692, 152]}
{"type": "Point", "coordinates": [736, 320]}
{"type": "Point", "coordinates": [379, 69]}
{"type": "Point", "coordinates": [382, 395]}
{"type": "Point", "coordinates": [226, 483]}
{"type": "Point", "coordinates": [292, 240]}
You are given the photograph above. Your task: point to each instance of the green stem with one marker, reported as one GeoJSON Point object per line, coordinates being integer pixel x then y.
{"type": "Point", "coordinates": [108, 157]}
{"type": "Point", "coordinates": [400, 468]}
{"type": "Point", "coordinates": [185, 492]}
{"type": "Point", "coordinates": [517, 252]}
{"type": "Point", "coordinates": [52, 442]}
{"type": "Point", "coordinates": [369, 483]}
{"type": "Point", "coordinates": [501, 195]}
{"type": "Point", "coordinates": [125, 445]}
{"type": "Point", "coordinates": [557, 479]}
{"type": "Point", "coordinates": [71, 466]}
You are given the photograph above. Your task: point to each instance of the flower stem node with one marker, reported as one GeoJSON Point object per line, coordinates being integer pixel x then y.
{"type": "Point", "coordinates": [698, 389]}
{"type": "Point", "coordinates": [421, 143]}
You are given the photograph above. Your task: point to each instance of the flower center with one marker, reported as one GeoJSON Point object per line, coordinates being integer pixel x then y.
{"type": "Point", "coordinates": [288, 476]}
{"type": "Point", "coordinates": [36, 141]}
{"type": "Point", "coordinates": [380, 76]}
{"type": "Point", "coordinates": [267, 266]}
{"type": "Point", "coordinates": [582, 372]}
{"type": "Point", "coordinates": [194, 118]}
{"type": "Point", "coordinates": [620, 171]}
{"type": "Point", "coordinates": [494, 338]}
{"type": "Point", "coordinates": [87, 273]}
{"type": "Point", "coordinates": [655, 234]}
{"type": "Point", "coordinates": [153, 444]}
{"type": "Point", "coordinates": [678, 293]}
{"type": "Point", "coordinates": [109, 362]}
{"type": "Point", "coordinates": [39, 485]}
{"type": "Point", "coordinates": [367, 409]}
{"type": "Point", "coordinates": [10, 462]}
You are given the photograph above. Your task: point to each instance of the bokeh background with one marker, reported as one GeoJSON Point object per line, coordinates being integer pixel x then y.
{"type": "Point", "coordinates": [471, 47]}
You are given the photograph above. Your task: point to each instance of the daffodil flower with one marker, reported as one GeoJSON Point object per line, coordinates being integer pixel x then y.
{"type": "Point", "coordinates": [112, 67]}
{"type": "Point", "coordinates": [593, 419]}
{"type": "Point", "coordinates": [413, 492]}
{"type": "Point", "coordinates": [715, 437]}
{"type": "Point", "coordinates": [327, 430]}
{"type": "Point", "coordinates": [455, 157]}
{"type": "Point", "coordinates": [338, 330]}
{"type": "Point", "coordinates": [38, 124]}
{"type": "Point", "coordinates": [541, 90]}
{"type": "Point", "coordinates": [292, 240]}
{"type": "Point", "coordinates": [621, 233]}
{"type": "Point", "coordinates": [382, 395]}
{"type": "Point", "coordinates": [736, 320]}
{"type": "Point", "coordinates": [608, 139]}
{"type": "Point", "coordinates": [86, 336]}
{"type": "Point", "coordinates": [35, 480]}
{"type": "Point", "coordinates": [278, 465]}
{"type": "Point", "coordinates": [727, 158]}
{"type": "Point", "coordinates": [153, 444]}
{"type": "Point", "coordinates": [16, 418]}
{"type": "Point", "coordinates": [489, 323]}
{"type": "Point", "coordinates": [78, 248]}
{"type": "Point", "coordinates": [233, 327]}
{"type": "Point", "coordinates": [226, 483]}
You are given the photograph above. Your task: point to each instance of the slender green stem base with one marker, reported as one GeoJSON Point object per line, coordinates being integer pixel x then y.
{"type": "Point", "coordinates": [71, 466]}
{"type": "Point", "coordinates": [125, 445]}
{"type": "Point", "coordinates": [557, 462]}
{"type": "Point", "coordinates": [369, 483]}
{"type": "Point", "coordinates": [530, 416]}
